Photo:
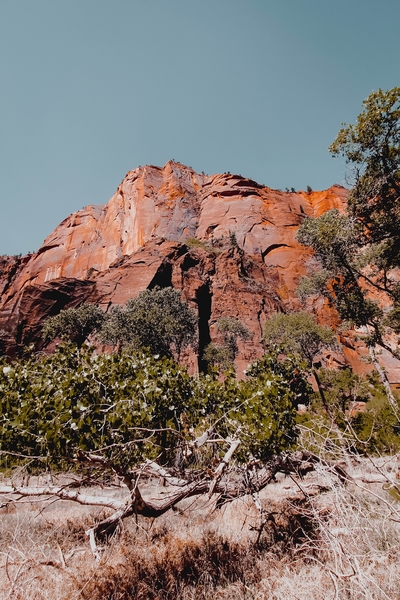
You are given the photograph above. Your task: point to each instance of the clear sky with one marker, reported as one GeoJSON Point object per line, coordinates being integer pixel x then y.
{"type": "Point", "coordinates": [90, 89]}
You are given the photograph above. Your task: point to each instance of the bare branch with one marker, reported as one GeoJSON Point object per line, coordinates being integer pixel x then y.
{"type": "Point", "coordinates": [62, 493]}
{"type": "Point", "coordinates": [223, 464]}
{"type": "Point", "coordinates": [237, 486]}
{"type": "Point", "coordinates": [150, 466]}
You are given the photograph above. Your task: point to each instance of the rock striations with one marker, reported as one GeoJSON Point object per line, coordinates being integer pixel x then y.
{"type": "Point", "coordinates": [227, 242]}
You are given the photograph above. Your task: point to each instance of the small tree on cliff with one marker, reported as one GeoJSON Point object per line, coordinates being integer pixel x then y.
{"type": "Point", "coordinates": [157, 319]}
{"type": "Point", "coordinates": [232, 330]}
{"type": "Point", "coordinates": [74, 323]}
{"type": "Point", "coordinates": [299, 334]}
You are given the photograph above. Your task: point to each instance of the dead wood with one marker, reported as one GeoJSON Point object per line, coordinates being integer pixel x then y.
{"type": "Point", "coordinates": [224, 481]}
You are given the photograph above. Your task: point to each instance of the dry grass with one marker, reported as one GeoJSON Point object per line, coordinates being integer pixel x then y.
{"type": "Point", "coordinates": [343, 543]}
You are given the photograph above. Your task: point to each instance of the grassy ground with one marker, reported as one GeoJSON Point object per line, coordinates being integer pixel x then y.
{"type": "Point", "coordinates": [301, 540]}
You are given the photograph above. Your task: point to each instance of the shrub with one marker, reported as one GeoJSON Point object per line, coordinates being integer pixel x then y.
{"type": "Point", "coordinates": [75, 324]}
{"type": "Point", "coordinates": [53, 406]}
{"type": "Point", "coordinates": [156, 319]}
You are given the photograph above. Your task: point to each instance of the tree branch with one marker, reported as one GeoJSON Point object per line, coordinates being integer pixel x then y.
{"type": "Point", "coordinates": [299, 463]}
{"type": "Point", "coordinates": [63, 493]}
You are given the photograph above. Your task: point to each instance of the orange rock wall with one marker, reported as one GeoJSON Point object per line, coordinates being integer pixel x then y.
{"type": "Point", "coordinates": [144, 236]}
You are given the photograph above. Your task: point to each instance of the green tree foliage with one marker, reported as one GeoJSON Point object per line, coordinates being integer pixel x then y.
{"type": "Point", "coordinates": [218, 355]}
{"type": "Point", "coordinates": [372, 148]}
{"type": "Point", "coordinates": [343, 388]}
{"type": "Point", "coordinates": [76, 324]}
{"type": "Point", "coordinates": [357, 251]}
{"type": "Point", "coordinates": [377, 430]}
{"type": "Point", "coordinates": [224, 354]}
{"type": "Point", "coordinates": [299, 334]}
{"type": "Point", "coordinates": [156, 319]}
{"type": "Point", "coordinates": [336, 274]}
{"type": "Point", "coordinates": [374, 430]}
{"type": "Point", "coordinates": [288, 370]}
{"type": "Point", "coordinates": [53, 406]}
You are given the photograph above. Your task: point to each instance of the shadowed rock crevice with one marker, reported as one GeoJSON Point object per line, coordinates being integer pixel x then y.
{"type": "Point", "coordinates": [189, 262]}
{"type": "Point", "coordinates": [259, 313]}
{"type": "Point", "coordinates": [163, 276]}
{"type": "Point", "coordinates": [271, 248]}
{"type": "Point", "coordinates": [203, 300]}
{"type": "Point", "coordinates": [45, 301]}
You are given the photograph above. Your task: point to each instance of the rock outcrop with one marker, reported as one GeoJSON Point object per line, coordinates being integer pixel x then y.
{"type": "Point", "coordinates": [227, 242]}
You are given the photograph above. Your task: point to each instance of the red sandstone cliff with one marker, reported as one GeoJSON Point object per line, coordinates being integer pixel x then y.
{"type": "Point", "coordinates": [144, 236]}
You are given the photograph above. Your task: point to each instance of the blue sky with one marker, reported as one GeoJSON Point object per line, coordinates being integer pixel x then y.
{"type": "Point", "coordinates": [93, 88]}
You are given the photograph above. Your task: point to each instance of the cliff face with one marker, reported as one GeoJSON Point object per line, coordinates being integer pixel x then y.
{"type": "Point", "coordinates": [174, 204]}
{"type": "Point", "coordinates": [226, 241]}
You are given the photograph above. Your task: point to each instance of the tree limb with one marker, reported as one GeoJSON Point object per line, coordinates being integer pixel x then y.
{"type": "Point", "coordinates": [299, 463]}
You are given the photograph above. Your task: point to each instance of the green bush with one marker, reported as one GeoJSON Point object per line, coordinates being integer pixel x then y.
{"type": "Point", "coordinates": [374, 431]}
{"type": "Point", "coordinates": [224, 355]}
{"type": "Point", "coordinates": [53, 406]}
{"type": "Point", "coordinates": [74, 323]}
{"type": "Point", "coordinates": [157, 319]}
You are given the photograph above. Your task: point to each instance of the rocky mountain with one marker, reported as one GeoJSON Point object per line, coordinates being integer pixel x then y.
{"type": "Point", "coordinates": [226, 241]}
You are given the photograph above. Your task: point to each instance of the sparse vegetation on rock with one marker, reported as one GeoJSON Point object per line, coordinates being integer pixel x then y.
{"type": "Point", "coordinates": [224, 354]}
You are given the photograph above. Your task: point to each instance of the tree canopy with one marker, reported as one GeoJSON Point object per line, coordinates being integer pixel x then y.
{"type": "Point", "coordinates": [299, 334]}
{"type": "Point", "coordinates": [372, 148]}
{"type": "Point", "coordinates": [224, 354]}
{"type": "Point", "coordinates": [136, 406]}
{"type": "Point", "coordinates": [356, 251]}
{"type": "Point", "coordinates": [157, 319]}
{"type": "Point", "coordinates": [74, 323]}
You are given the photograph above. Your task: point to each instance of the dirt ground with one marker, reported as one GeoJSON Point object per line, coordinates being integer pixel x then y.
{"type": "Point", "coordinates": [307, 539]}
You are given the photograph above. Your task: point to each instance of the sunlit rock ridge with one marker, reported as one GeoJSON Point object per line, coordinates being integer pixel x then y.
{"type": "Point", "coordinates": [226, 241]}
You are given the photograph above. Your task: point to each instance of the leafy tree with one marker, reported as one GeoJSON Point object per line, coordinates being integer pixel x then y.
{"type": "Point", "coordinates": [224, 355]}
{"type": "Point", "coordinates": [75, 399]}
{"type": "Point", "coordinates": [343, 388]}
{"type": "Point", "coordinates": [134, 415]}
{"type": "Point", "coordinates": [215, 354]}
{"type": "Point", "coordinates": [336, 271]}
{"type": "Point", "coordinates": [375, 430]}
{"type": "Point", "coordinates": [357, 251]}
{"type": "Point", "coordinates": [157, 319]}
{"type": "Point", "coordinates": [372, 148]}
{"type": "Point", "coordinates": [289, 369]}
{"type": "Point", "coordinates": [74, 323]}
{"type": "Point", "coordinates": [299, 334]}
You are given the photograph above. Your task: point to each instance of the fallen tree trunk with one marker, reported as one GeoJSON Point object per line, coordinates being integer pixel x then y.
{"type": "Point", "coordinates": [227, 486]}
